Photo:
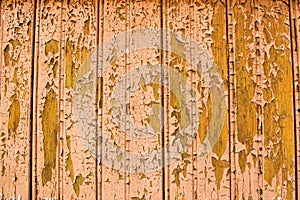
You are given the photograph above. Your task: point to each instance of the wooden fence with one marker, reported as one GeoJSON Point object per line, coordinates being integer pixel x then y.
{"type": "Point", "coordinates": [90, 109]}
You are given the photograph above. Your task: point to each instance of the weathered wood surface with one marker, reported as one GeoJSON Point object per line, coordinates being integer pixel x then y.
{"type": "Point", "coordinates": [76, 90]}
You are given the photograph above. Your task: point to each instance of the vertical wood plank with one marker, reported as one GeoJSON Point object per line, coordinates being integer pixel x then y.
{"type": "Point", "coordinates": [48, 99]}
{"type": "Point", "coordinates": [113, 162]}
{"type": "Point", "coordinates": [264, 157]}
{"type": "Point", "coordinates": [215, 175]}
{"type": "Point", "coordinates": [15, 98]}
{"type": "Point", "coordinates": [180, 170]}
{"type": "Point", "coordinates": [246, 152]}
{"type": "Point", "coordinates": [79, 46]}
{"type": "Point", "coordinates": [295, 42]}
{"type": "Point", "coordinates": [276, 85]}
{"type": "Point", "coordinates": [194, 176]}
{"type": "Point", "coordinates": [144, 102]}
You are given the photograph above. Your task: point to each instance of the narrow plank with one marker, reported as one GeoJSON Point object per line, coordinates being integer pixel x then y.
{"type": "Point", "coordinates": [213, 169]}
{"type": "Point", "coordinates": [264, 165]}
{"type": "Point", "coordinates": [48, 126]}
{"type": "Point", "coordinates": [295, 33]}
{"type": "Point", "coordinates": [112, 70]}
{"type": "Point", "coordinates": [198, 174]}
{"type": "Point", "coordinates": [179, 173]}
{"type": "Point", "coordinates": [276, 85]}
{"type": "Point", "coordinates": [246, 153]}
{"type": "Point", "coordinates": [15, 97]}
{"type": "Point", "coordinates": [144, 102]}
{"type": "Point", "coordinates": [80, 45]}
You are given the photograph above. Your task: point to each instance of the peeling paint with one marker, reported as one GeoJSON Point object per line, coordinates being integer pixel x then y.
{"type": "Point", "coordinates": [77, 183]}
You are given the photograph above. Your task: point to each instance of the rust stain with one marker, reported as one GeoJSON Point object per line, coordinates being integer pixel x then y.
{"type": "Point", "coordinates": [50, 125]}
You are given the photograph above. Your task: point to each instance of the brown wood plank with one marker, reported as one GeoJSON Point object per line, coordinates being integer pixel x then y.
{"type": "Point", "coordinates": [48, 126]}
{"type": "Point", "coordinates": [265, 155]}
{"type": "Point", "coordinates": [247, 184]}
{"type": "Point", "coordinates": [278, 116]}
{"type": "Point", "coordinates": [80, 44]}
{"type": "Point", "coordinates": [17, 20]}
{"type": "Point", "coordinates": [295, 42]}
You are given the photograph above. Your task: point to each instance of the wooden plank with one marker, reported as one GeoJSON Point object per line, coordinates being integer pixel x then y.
{"type": "Point", "coordinates": [80, 44]}
{"type": "Point", "coordinates": [274, 59]}
{"type": "Point", "coordinates": [179, 173]}
{"type": "Point", "coordinates": [246, 152]}
{"type": "Point", "coordinates": [212, 34]}
{"type": "Point", "coordinates": [16, 27]}
{"type": "Point", "coordinates": [144, 102]}
{"type": "Point", "coordinates": [48, 126]}
{"type": "Point", "coordinates": [194, 176]}
{"type": "Point", "coordinates": [295, 42]}
{"type": "Point", "coordinates": [113, 171]}
{"type": "Point", "coordinates": [264, 157]}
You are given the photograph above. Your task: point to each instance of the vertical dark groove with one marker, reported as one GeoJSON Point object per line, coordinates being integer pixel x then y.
{"type": "Point", "coordinates": [294, 96]}
{"type": "Point", "coordinates": [126, 173]}
{"type": "Point", "coordinates": [32, 144]}
{"type": "Point", "coordinates": [164, 167]}
{"type": "Point", "coordinates": [102, 81]}
{"type": "Point", "coordinates": [229, 97]}
{"type": "Point", "coordinates": [97, 6]}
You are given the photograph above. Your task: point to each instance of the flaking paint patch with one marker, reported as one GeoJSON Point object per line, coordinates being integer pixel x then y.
{"type": "Point", "coordinates": [69, 163]}
{"type": "Point", "coordinates": [77, 183]}
{"type": "Point", "coordinates": [70, 66]}
{"type": "Point", "coordinates": [52, 47]}
{"type": "Point", "coordinates": [14, 115]}
{"type": "Point", "coordinates": [50, 124]}
{"type": "Point", "coordinates": [220, 166]}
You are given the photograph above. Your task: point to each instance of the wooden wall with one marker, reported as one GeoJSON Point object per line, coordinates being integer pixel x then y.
{"type": "Point", "coordinates": [48, 48]}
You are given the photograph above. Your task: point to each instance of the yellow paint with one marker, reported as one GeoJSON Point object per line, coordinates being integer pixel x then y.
{"type": "Point", "coordinates": [69, 163]}
{"type": "Point", "coordinates": [242, 160]}
{"type": "Point", "coordinates": [50, 124]}
{"type": "Point", "coordinates": [86, 27]}
{"type": "Point", "coordinates": [14, 115]}
{"type": "Point", "coordinates": [246, 114]}
{"type": "Point", "coordinates": [77, 183]}
{"type": "Point", "coordinates": [70, 66]}
{"type": "Point", "coordinates": [220, 59]}
{"type": "Point", "coordinates": [219, 167]}
{"type": "Point", "coordinates": [51, 47]}
{"type": "Point", "coordinates": [6, 55]}
{"type": "Point", "coordinates": [278, 126]}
